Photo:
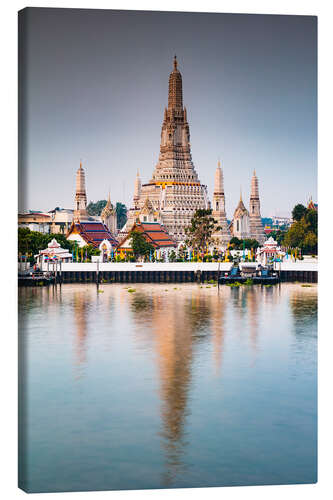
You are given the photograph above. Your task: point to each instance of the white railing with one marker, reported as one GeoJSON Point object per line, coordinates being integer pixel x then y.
{"type": "Point", "coordinates": [138, 266]}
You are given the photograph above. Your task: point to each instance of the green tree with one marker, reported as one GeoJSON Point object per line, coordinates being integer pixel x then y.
{"type": "Point", "coordinates": [311, 217]}
{"type": "Point", "coordinates": [298, 212]}
{"type": "Point", "coordinates": [172, 256]}
{"type": "Point", "coordinates": [250, 243]}
{"type": "Point", "coordinates": [236, 243]}
{"type": "Point", "coordinates": [140, 246]}
{"type": "Point", "coordinates": [89, 250]}
{"type": "Point", "coordinates": [96, 208]}
{"type": "Point", "coordinates": [199, 233]}
{"type": "Point", "coordinates": [303, 233]}
{"type": "Point", "coordinates": [296, 234]}
{"type": "Point", "coordinates": [121, 212]}
{"type": "Point", "coordinates": [310, 243]}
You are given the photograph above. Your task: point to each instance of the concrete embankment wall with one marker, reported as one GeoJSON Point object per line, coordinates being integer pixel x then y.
{"type": "Point", "coordinates": [298, 271]}
{"type": "Point", "coordinates": [143, 273]}
{"type": "Point", "coordinates": [168, 272]}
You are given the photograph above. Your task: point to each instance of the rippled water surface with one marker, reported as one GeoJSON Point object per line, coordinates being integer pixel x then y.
{"type": "Point", "coordinates": [169, 386]}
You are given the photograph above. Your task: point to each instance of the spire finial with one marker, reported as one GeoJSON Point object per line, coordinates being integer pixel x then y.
{"type": "Point", "coordinates": [138, 173]}
{"type": "Point", "coordinates": [175, 62]}
{"type": "Point", "coordinates": [219, 163]}
{"type": "Point", "coordinates": [240, 199]}
{"type": "Point", "coordinates": [254, 173]}
{"type": "Point", "coordinates": [80, 163]}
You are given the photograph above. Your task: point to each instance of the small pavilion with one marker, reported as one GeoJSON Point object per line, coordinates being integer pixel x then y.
{"type": "Point", "coordinates": [54, 252]}
{"type": "Point", "coordinates": [268, 251]}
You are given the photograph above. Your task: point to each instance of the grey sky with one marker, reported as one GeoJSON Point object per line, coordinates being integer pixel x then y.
{"type": "Point", "coordinates": [96, 85]}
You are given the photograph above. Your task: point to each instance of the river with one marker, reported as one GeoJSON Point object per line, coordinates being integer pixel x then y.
{"type": "Point", "coordinates": [167, 386]}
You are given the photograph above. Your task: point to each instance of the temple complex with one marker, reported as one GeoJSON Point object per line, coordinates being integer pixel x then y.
{"type": "Point", "coordinates": [174, 190]}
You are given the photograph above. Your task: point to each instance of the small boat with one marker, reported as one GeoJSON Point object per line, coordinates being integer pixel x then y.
{"type": "Point", "coordinates": [250, 272]}
{"type": "Point", "coordinates": [35, 278]}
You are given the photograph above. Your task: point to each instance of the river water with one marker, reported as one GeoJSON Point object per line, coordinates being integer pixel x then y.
{"type": "Point", "coordinates": [169, 386]}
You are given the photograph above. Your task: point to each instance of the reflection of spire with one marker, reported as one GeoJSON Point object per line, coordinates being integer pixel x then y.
{"type": "Point", "coordinates": [252, 308]}
{"type": "Point", "coordinates": [80, 319]}
{"type": "Point", "coordinates": [218, 308]}
{"type": "Point", "coordinates": [174, 347]}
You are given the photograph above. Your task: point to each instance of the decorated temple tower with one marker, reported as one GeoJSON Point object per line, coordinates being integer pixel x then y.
{"type": "Point", "coordinates": [222, 236]}
{"type": "Point", "coordinates": [174, 190]}
{"type": "Point", "coordinates": [80, 207]}
{"type": "Point", "coordinates": [109, 216]}
{"type": "Point", "coordinates": [240, 223]}
{"type": "Point", "coordinates": [256, 227]}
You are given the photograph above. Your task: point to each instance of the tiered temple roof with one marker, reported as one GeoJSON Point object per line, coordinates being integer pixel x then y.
{"type": "Point", "coordinates": [93, 233]}
{"type": "Point", "coordinates": [154, 233]}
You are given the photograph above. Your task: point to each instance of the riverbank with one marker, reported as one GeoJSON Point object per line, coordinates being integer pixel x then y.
{"type": "Point", "coordinates": [168, 272]}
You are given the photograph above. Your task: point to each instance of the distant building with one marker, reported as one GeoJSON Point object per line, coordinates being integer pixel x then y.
{"type": "Point", "coordinates": [61, 220]}
{"type": "Point", "coordinates": [278, 221]}
{"type": "Point", "coordinates": [35, 221]}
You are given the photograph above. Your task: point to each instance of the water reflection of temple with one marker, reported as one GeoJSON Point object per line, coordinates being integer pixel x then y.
{"type": "Point", "coordinates": [174, 338]}
{"type": "Point", "coordinates": [179, 323]}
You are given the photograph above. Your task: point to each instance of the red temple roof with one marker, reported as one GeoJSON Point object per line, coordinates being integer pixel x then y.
{"type": "Point", "coordinates": [154, 233]}
{"type": "Point", "coordinates": [93, 233]}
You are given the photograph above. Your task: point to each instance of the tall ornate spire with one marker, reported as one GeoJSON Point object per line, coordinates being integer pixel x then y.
{"type": "Point", "coordinates": [218, 182]}
{"type": "Point", "coordinates": [255, 188]}
{"type": "Point", "coordinates": [80, 211]}
{"type": "Point", "coordinates": [137, 188]}
{"type": "Point", "coordinates": [174, 187]}
{"type": "Point", "coordinates": [223, 234]}
{"type": "Point", "coordinates": [256, 227]}
{"type": "Point", "coordinates": [175, 99]}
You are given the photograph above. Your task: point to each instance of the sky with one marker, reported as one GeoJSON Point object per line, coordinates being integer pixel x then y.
{"type": "Point", "coordinates": [94, 84]}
